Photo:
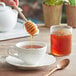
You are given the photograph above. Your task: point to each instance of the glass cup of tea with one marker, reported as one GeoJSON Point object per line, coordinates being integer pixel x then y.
{"type": "Point", "coordinates": [61, 40]}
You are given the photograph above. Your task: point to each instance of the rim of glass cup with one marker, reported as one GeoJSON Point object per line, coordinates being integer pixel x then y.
{"type": "Point", "coordinates": [67, 27]}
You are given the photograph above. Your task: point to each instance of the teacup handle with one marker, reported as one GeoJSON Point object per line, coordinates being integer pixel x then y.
{"type": "Point", "coordinates": [2, 4]}
{"type": "Point", "coordinates": [10, 51]}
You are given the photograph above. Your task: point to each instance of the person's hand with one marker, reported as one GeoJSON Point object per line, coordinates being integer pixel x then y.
{"type": "Point", "coordinates": [10, 2]}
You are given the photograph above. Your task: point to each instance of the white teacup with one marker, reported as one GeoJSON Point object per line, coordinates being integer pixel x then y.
{"type": "Point", "coordinates": [30, 56]}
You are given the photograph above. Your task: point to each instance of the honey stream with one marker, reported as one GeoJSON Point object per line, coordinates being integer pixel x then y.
{"type": "Point", "coordinates": [31, 41]}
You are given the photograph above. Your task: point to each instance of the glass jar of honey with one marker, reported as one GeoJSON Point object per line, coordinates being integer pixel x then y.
{"type": "Point", "coordinates": [61, 40]}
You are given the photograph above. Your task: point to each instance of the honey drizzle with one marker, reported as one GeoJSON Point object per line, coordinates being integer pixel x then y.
{"type": "Point", "coordinates": [31, 40]}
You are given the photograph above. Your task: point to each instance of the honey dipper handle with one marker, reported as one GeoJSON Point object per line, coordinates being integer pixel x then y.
{"type": "Point", "coordinates": [20, 13]}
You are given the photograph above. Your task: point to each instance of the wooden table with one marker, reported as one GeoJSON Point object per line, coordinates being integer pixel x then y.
{"type": "Point", "coordinates": [8, 70]}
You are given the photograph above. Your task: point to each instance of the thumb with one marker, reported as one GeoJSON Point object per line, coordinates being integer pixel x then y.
{"type": "Point", "coordinates": [12, 3]}
{"type": "Point", "coordinates": [9, 2]}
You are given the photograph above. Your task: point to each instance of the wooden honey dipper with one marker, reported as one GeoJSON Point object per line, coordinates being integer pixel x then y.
{"type": "Point", "coordinates": [29, 25]}
{"type": "Point", "coordinates": [31, 28]}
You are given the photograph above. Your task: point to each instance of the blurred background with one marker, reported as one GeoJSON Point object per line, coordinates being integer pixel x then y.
{"type": "Point", "coordinates": [32, 9]}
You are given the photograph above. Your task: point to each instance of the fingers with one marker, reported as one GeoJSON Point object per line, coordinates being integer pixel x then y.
{"type": "Point", "coordinates": [17, 2]}
{"type": "Point", "coordinates": [5, 1]}
{"type": "Point", "coordinates": [12, 3]}
{"type": "Point", "coordinates": [2, 0]}
{"type": "Point", "coordinates": [8, 2]}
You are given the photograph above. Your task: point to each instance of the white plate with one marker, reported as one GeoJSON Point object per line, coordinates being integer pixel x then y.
{"type": "Point", "coordinates": [47, 60]}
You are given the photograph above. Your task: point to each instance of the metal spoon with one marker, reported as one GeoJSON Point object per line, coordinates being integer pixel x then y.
{"type": "Point", "coordinates": [61, 65]}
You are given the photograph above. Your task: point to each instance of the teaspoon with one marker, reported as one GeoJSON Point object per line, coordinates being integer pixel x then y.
{"type": "Point", "coordinates": [61, 65]}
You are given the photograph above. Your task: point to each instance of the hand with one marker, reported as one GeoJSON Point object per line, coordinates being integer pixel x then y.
{"type": "Point", "coordinates": [10, 2]}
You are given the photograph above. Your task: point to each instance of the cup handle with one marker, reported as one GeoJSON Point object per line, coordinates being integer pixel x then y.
{"type": "Point", "coordinates": [10, 51]}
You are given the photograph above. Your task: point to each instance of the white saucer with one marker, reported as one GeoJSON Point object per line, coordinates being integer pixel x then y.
{"type": "Point", "coordinates": [47, 60]}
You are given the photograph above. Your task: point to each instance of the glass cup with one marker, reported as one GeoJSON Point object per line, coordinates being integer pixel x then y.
{"type": "Point", "coordinates": [61, 38]}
